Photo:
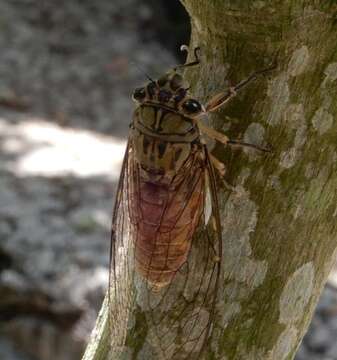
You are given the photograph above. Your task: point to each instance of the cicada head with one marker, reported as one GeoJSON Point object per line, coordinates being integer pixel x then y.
{"type": "Point", "coordinates": [169, 91]}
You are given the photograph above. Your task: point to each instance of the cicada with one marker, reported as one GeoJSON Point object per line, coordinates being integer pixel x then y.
{"type": "Point", "coordinates": [166, 245]}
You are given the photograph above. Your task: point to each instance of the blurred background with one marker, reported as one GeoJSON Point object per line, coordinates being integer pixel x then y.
{"type": "Point", "coordinates": [66, 74]}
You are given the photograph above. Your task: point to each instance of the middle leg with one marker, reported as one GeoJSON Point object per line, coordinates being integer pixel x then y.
{"type": "Point", "coordinates": [222, 138]}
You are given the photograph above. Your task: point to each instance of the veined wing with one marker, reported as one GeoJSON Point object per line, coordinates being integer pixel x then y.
{"type": "Point", "coordinates": [181, 316]}
{"type": "Point", "coordinates": [178, 317]}
{"type": "Point", "coordinates": [120, 291]}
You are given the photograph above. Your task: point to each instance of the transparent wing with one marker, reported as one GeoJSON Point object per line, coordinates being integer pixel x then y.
{"type": "Point", "coordinates": [177, 318]}
{"type": "Point", "coordinates": [120, 291]}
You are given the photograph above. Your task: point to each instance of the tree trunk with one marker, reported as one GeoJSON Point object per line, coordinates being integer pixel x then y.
{"type": "Point", "coordinates": [279, 225]}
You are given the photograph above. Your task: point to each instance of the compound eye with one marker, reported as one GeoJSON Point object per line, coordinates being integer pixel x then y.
{"type": "Point", "coordinates": [139, 94]}
{"type": "Point", "coordinates": [192, 106]}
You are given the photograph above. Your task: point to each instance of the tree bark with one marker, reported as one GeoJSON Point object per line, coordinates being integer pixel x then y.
{"type": "Point", "coordinates": [279, 225]}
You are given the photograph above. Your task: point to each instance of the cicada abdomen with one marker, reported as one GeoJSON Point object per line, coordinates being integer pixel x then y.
{"type": "Point", "coordinates": [160, 218]}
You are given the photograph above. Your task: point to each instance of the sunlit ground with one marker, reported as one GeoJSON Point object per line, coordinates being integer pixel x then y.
{"type": "Point", "coordinates": [41, 148]}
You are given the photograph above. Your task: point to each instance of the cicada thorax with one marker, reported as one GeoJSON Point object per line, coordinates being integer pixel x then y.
{"type": "Point", "coordinates": [167, 202]}
{"type": "Point", "coordinates": [162, 140]}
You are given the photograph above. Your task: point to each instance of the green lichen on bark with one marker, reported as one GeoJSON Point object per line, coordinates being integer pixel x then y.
{"type": "Point", "coordinates": [137, 337]}
{"type": "Point", "coordinates": [280, 229]}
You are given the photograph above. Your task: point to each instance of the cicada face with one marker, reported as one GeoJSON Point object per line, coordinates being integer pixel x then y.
{"type": "Point", "coordinates": [170, 91]}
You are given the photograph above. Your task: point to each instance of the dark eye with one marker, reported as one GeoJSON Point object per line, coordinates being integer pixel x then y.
{"type": "Point", "coordinates": [139, 94]}
{"type": "Point", "coordinates": [191, 106]}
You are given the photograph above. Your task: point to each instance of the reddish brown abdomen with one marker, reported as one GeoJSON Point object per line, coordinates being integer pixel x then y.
{"type": "Point", "coordinates": [167, 219]}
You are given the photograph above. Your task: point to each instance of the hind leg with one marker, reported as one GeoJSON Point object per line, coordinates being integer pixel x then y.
{"type": "Point", "coordinates": [221, 170]}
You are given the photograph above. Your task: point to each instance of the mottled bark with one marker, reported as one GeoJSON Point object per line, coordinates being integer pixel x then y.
{"type": "Point", "coordinates": [279, 225]}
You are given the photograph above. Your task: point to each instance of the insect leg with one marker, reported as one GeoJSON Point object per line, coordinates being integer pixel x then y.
{"type": "Point", "coordinates": [218, 136]}
{"type": "Point", "coordinates": [211, 133]}
{"type": "Point", "coordinates": [196, 60]}
{"type": "Point", "coordinates": [247, 145]}
{"type": "Point", "coordinates": [218, 165]}
{"type": "Point", "coordinates": [221, 169]}
{"type": "Point", "coordinates": [222, 98]}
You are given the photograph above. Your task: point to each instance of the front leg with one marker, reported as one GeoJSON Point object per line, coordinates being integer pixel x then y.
{"type": "Point", "coordinates": [222, 98]}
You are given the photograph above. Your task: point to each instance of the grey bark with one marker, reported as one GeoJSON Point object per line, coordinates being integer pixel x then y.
{"type": "Point", "coordinates": [279, 225]}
